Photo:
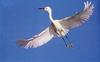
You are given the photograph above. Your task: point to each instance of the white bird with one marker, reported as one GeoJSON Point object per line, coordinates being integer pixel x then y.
{"type": "Point", "coordinates": [58, 28]}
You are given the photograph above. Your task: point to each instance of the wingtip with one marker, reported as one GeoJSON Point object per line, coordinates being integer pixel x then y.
{"type": "Point", "coordinates": [22, 43]}
{"type": "Point", "coordinates": [88, 4]}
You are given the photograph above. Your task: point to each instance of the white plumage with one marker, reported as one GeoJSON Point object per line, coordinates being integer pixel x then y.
{"type": "Point", "coordinates": [58, 28]}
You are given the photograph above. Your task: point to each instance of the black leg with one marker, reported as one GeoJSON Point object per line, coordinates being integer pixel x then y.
{"type": "Point", "coordinates": [69, 45]}
{"type": "Point", "coordinates": [67, 38]}
{"type": "Point", "coordinates": [64, 41]}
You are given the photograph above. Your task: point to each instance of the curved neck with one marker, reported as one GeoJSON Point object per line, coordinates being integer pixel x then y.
{"type": "Point", "coordinates": [50, 16]}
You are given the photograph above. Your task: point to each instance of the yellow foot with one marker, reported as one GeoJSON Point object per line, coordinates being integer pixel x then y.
{"type": "Point", "coordinates": [70, 45]}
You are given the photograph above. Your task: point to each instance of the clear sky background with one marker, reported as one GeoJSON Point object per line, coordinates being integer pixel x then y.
{"type": "Point", "coordinates": [20, 19]}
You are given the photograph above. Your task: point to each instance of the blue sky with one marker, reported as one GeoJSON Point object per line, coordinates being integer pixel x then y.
{"type": "Point", "coordinates": [20, 19]}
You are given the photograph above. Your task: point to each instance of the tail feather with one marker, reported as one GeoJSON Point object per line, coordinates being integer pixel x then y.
{"type": "Point", "coordinates": [22, 43]}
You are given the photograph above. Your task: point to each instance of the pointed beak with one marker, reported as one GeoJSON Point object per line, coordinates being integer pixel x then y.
{"type": "Point", "coordinates": [41, 8]}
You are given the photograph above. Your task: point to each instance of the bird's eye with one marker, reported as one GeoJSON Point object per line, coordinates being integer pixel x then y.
{"type": "Point", "coordinates": [46, 8]}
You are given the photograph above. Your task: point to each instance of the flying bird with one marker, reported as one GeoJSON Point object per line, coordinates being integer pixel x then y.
{"type": "Point", "coordinates": [58, 28]}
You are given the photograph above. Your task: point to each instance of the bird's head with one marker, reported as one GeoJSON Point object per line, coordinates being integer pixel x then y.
{"type": "Point", "coordinates": [46, 9]}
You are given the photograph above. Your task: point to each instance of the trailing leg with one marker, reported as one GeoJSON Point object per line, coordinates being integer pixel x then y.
{"type": "Point", "coordinates": [64, 41]}
{"type": "Point", "coordinates": [69, 44]}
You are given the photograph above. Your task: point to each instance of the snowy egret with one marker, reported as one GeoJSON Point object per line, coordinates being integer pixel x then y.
{"type": "Point", "coordinates": [58, 28]}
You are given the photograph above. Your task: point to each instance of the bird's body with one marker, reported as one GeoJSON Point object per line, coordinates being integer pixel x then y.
{"type": "Point", "coordinates": [58, 28]}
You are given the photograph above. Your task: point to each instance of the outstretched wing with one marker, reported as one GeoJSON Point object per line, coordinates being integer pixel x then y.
{"type": "Point", "coordinates": [79, 18]}
{"type": "Point", "coordinates": [38, 40]}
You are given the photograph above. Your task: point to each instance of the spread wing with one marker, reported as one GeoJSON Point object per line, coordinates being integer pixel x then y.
{"type": "Point", "coordinates": [38, 40]}
{"type": "Point", "coordinates": [79, 18]}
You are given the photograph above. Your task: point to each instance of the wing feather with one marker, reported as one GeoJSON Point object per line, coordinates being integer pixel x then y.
{"type": "Point", "coordinates": [79, 18]}
{"type": "Point", "coordinates": [38, 40]}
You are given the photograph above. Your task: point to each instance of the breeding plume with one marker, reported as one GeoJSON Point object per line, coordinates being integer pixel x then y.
{"type": "Point", "coordinates": [58, 28]}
